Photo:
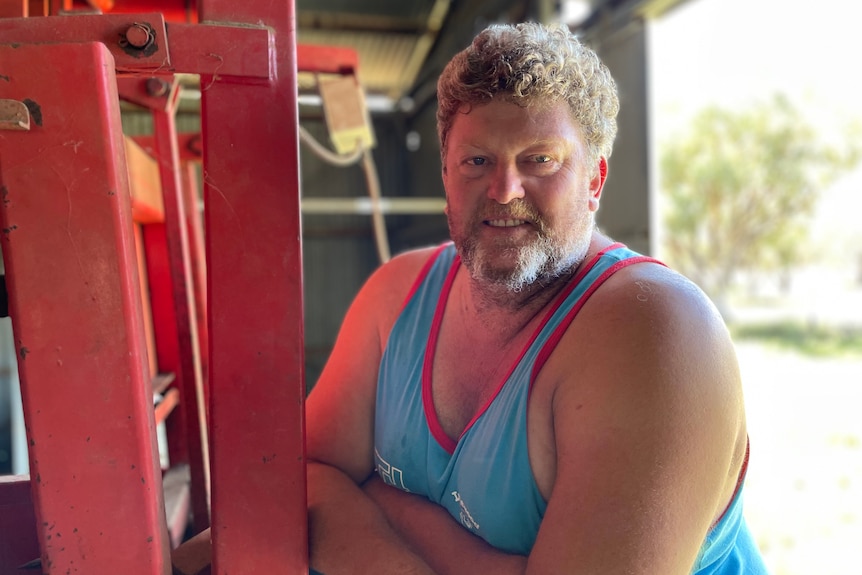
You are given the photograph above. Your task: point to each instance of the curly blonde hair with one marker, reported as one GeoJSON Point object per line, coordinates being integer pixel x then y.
{"type": "Point", "coordinates": [531, 64]}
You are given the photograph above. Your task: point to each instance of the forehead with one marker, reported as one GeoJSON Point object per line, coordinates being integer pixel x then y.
{"type": "Point", "coordinates": [504, 124]}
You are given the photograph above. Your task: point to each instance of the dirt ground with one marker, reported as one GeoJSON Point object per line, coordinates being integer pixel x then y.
{"type": "Point", "coordinates": [803, 496]}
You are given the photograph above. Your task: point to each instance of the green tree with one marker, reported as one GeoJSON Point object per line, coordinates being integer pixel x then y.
{"type": "Point", "coordinates": [739, 189]}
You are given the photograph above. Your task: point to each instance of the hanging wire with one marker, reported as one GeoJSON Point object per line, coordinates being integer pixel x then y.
{"type": "Point", "coordinates": [381, 239]}
{"type": "Point", "coordinates": [327, 155]}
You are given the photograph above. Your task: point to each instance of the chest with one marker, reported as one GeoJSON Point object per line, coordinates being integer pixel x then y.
{"type": "Point", "coordinates": [466, 376]}
{"type": "Point", "coordinates": [467, 382]}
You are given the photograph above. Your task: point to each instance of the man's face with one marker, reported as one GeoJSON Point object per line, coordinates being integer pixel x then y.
{"type": "Point", "coordinates": [520, 194]}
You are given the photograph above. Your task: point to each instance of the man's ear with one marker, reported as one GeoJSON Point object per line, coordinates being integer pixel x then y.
{"type": "Point", "coordinates": [597, 184]}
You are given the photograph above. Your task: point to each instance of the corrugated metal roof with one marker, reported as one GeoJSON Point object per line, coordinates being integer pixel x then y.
{"type": "Point", "coordinates": [386, 15]}
{"type": "Point", "coordinates": [383, 58]}
{"type": "Point", "coordinates": [391, 37]}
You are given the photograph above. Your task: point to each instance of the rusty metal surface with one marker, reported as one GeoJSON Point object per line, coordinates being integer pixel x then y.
{"type": "Point", "coordinates": [69, 250]}
{"type": "Point", "coordinates": [254, 270]}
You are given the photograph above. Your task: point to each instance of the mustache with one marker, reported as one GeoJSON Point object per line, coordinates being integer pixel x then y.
{"type": "Point", "coordinates": [515, 210]}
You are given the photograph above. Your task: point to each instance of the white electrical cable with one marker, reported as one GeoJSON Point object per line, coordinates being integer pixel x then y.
{"type": "Point", "coordinates": [326, 155]}
{"type": "Point", "coordinates": [381, 239]}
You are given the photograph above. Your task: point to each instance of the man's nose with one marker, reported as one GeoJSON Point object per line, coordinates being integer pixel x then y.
{"type": "Point", "coordinates": [506, 185]}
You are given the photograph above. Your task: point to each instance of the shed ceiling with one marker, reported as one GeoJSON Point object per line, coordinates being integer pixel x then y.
{"type": "Point", "coordinates": [402, 45]}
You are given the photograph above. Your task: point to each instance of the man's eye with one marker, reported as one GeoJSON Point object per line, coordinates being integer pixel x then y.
{"type": "Point", "coordinates": [476, 161]}
{"type": "Point", "coordinates": [542, 159]}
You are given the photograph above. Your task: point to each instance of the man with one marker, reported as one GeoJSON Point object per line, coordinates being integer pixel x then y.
{"type": "Point", "coordinates": [534, 398]}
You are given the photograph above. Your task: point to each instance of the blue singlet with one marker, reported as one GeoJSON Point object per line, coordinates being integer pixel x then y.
{"type": "Point", "coordinates": [484, 479]}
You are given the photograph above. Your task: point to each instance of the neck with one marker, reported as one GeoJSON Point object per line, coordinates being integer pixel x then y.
{"type": "Point", "coordinates": [492, 297]}
{"type": "Point", "coordinates": [505, 311]}
{"type": "Point", "coordinates": [501, 313]}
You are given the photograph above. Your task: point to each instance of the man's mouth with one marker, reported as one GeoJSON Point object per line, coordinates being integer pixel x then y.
{"type": "Point", "coordinates": [505, 223]}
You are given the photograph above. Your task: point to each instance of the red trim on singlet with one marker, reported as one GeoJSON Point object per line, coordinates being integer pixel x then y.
{"type": "Point", "coordinates": [423, 273]}
{"type": "Point", "coordinates": [557, 335]}
{"type": "Point", "coordinates": [427, 399]}
{"type": "Point", "coordinates": [739, 480]}
{"type": "Point", "coordinates": [434, 425]}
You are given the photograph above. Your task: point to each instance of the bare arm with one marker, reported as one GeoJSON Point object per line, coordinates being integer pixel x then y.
{"type": "Point", "coordinates": [647, 434]}
{"type": "Point", "coordinates": [440, 540]}
{"type": "Point", "coordinates": [348, 533]}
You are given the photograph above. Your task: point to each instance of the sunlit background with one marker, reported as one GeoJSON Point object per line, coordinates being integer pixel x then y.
{"type": "Point", "coordinates": [777, 75]}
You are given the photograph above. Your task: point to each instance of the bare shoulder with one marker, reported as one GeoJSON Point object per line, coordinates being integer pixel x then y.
{"type": "Point", "coordinates": [647, 423]}
{"type": "Point", "coordinates": [384, 293]}
{"type": "Point", "coordinates": [660, 307]}
{"type": "Point", "coordinates": [649, 335]}
{"type": "Point", "coordinates": [653, 320]}
{"type": "Point", "coordinates": [655, 291]}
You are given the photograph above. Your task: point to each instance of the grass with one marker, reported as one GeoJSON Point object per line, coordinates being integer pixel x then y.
{"type": "Point", "coordinates": [809, 339]}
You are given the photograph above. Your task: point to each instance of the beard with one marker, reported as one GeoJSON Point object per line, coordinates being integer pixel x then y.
{"type": "Point", "coordinates": [542, 258]}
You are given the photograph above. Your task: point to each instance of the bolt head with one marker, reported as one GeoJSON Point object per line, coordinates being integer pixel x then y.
{"type": "Point", "coordinates": [157, 87]}
{"type": "Point", "coordinates": [139, 36]}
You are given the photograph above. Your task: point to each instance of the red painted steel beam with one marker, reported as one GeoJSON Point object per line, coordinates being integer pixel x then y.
{"type": "Point", "coordinates": [254, 270]}
{"type": "Point", "coordinates": [174, 10]}
{"type": "Point", "coordinates": [102, 5]}
{"type": "Point", "coordinates": [110, 30]}
{"type": "Point", "coordinates": [326, 59]}
{"type": "Point", "coordinates": [189, 147]}
{"type": "Point", "coordinates": [14, 8]}
{"type": "Point", "coordinates": [165, 330]}
{"type": "Point", "coordinates": [222, 50]}
{"type": "Point", "coordinates": [197, 250]}
{"type": "Point", "coordinates": [193, 48]}
{"type": "Point", "coordinates": [151, 92]}
{"type": "Point", "coordinates": [188, 369]}
{"type": "Point", "coordinates": [71, 269]}
{"type": "Point", "coordinates": [143, 43]}
{"type": "Point", "coordinates": [38, 8]}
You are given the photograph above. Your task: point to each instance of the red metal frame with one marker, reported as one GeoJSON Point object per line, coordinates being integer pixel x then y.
{"type": "Point", "coordinates": [326, 59]}
{"type": "Point", "coordinates": [174, 10]}
{"type": "Point", "coordinates": [212, 50]}
{"type": "Point", "coordinates": [254, 273]}
{"type": "Point", "coordinates": [106, 28]}
{"type": "Point", "coordinates": [195, 48]}
{"type": "Point", "coordinates": [188, 369]}
{"type": "Point", "coordinates": [14, 8]}
{"type": "Point", "coordinates": [74, 297]}
{"type": "Point", "coordinates": [197, 248]}
{"type": "Point", "coordinates": [253, 298]}
{"type": "Point", "coordinates": [169, 268]}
